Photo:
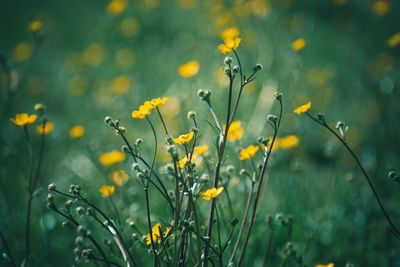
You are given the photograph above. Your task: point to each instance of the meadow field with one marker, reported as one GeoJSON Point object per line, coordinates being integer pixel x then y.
{"type": "Point", "coordinates": [200, 133]}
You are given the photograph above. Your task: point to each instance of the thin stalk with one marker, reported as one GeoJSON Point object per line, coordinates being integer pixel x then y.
{"type": "Point", "coordinates": [356, 159]}
{"type": "Point", "coordinates": [261, 179]}
{"type": "Point", "coordinates": [6, 247]}
{"type": "Point", "coordinates": [156, 260]}
{"type": "Point", "coordinates": [268, 250]}
{"type": "Point", "coordinates": [176, 215]}
{"type": "Point", "coordinates": [162, 121]}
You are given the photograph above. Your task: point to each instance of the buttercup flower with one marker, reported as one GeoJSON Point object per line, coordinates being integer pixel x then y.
{"type": "Point", "coordinates": [248, 152]}
{"type": "Point", "coordinates": [156, 234]}
{"type": "Point", "coordinates": [200, 150]}
{"type": "Point", "coordinates": [183, 139]}
{"type": "Point", "coordinates": [211, 193]}
{"type": "Point", "coordinates": [159, 101]}
{"type": "Point", "coordinates": [107, 190]}
{"type": "Point", "coordinates": [235, 132]}
{"type": "Point", "coordinates": [229, 44]}
{"type": "Point", "coordinates": [183, 161]}
{"type": "Point", "coordinates": [142, 112]}
{"type": "Point", "coordinates": [229, 33]}
{"type": "Point", "coordinates": [23, 119]}
{"type": "Point", "coordinates": [298, 44]}
{"type": "Point", "coordinates": [48, 128]}
{"type": "Point", "coordinates": [189, 69]}
{"type": "Point", "coordinates": [119, 177]}
{"type": "Point", "coordinates": [302, 109]}
{"type": "Point", "coordinates": [112, 157]}
{"type": "Point", "coordinates": [76, 132]}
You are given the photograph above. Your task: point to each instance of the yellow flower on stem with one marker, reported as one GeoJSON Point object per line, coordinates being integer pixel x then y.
{"type": "Point", "coordinates": [183, 139]}
{"type": "Point", "coordinates": [325, 265]}
{"type": "Point", "coordinates": [119, 177]}
{"type": "Point", "coordinates": [107, 190]}
{"type": "Point", "coordinates": [235, 132]}
{"type": "Point", "coordinates": [298, 44]}
{"type": "Point", "coordinates": [189, 69]}
{"type": "Point", "coordinates": [302, 109]}
{"type": "Point", "coordinates": [45, 129]}
{"type": "Point", "coordinates": [159, 101]}
{"type": "Point", "coordinates": [229, 44]}
{"type": "Point", "coordinates": [183, 161]}
{"type": "Point", "coordinates": [156, 234]}
{"type": "Point", "coordinates": [248, 152]}
{"type": "Point", "coordinates": [76, 132]}
{"type": "Point", "coordinates": [142, 112]}
{"type": "Point", "coordinates": [211, 193]}
{"type": "Point", "coordinates": [229, 33]}
{"type": "Point", "coordinates": [112, 157]}
{"type": "Point", "coordinates": [200, 150]}
{"type": "Point", "coordinates": [23, 119]}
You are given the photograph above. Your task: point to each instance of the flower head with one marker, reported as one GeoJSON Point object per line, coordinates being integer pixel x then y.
{"type": "Point", "coordinates": [35, 26]}
{"type": "Point", "coordinates": [119, 177]}
{"type": "Point", "coordinates": [184, 160]}
{"type": "Point", "coordinates": [302, 109]}
{"type": "Point", "coordinates": [189, 69]}
{"type": "Point", "coordinates": [46, 128]}
{"type": "Point", "coordinates": [235, 132]}
{"type": "Point", "coordinates": [211, 193]}
{"type": "Point", "coordinates": [325, 265]}
{"type": "Point", "coordinates": [23, 119]}
{"type": "Point", "coordinates": [298, 44]}
{"type": "Point", "coordinates": [248, 152]}
{"type": "Point", "coordinates": [229, 44]}
{"type": "Point", "coordinates": [159, 101]}
{"type": "Point", "coordinates": [107, 190]}
{"type": "Point", "coordinates": [76, 132]}
{"type": "Point", "coordinates": [200, 150]}
{"type": "Point", "coordinates": [142, 112]}
{"type": "Point", "coordinates": [112, 157]}
{"type": "Point", "coordinates": [229, 33]}
{"type": "Point", "coordinates": [183, 139]}
{"type": "Point", "coordinates": [156, 234]}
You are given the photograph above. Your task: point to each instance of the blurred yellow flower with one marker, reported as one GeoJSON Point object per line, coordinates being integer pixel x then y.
{"type": "Point", "coordinates": [35, 26]}
{"type": "Point", "coordinates": [23, 51]}
{"type": "Point", "coordinates": [156, 233]}
{"type": "Point", "coordinates": [76, 132]}
{"type": "Point", "coordinates": [189, 69]}
{"type": "Point", "coordinates": [285, 142]}
{"type": "Point", "coordinates": [119, 177]}
{"type": "Point", "coordinates": [77, 85]}
{"type": "Point", "coordinates": [183, 161]}
{"type": "Point", "coordinates": [116, 7]}
{"type": "Point", "coordinates": [235, 132]}
{"type": "Point", "coordinates": [23, 119]}
{"type": "Point", "coordinates": [229, 44]}
{"type": "Point", "coordinates": [93, 54]}
{"type": "Point", "coordinates": [211, 193]}
{"type": "Point", "coordinates": [381, 7]}
{"type": "Point", "coordinates": [248, 152]}
{"type": "Point", "coordinates": [48, 128]}
{"type": "Point", "coordinates": [112, 157]}
{"type": "Point", "coordinates": [302, 109]}
{"type": "Point", "coordinates": [187, 4]}
{"type": "Point", "coordinates": [394, 40]}
{"type": "Point", "coordinates": [107, 190]}
{"type": "Point", "coordinates": [124, 58]}
{"type": "Point", "coordinates": [298, 44]}
{"type": "Point", "coordinates": [129, 27]}
{"type": "Point", "coordinates": [184, 139]}
{"type": "Point", "coordinates": [121, 84]}
{"type": "Point", "coordinates": [229, 33]}
{"type": "Point", "coordinates": [200, 150]}
{"type": "Point", "coordinates": [325, 265]}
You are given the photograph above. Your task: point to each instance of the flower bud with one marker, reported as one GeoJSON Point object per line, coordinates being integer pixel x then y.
{"type": "Point", "coordinates": [257, 67]}
{"type": "Point", "coordinates": [107, 120]}
{"type": "Point", "coordinates": [236, 69]}
{"type": "Point", "coordinates": [278, 95]}
{"type": "Point", "coordinates": [125, 149]}
{"type": "Point", "coordinates": [135, 166]}
{"type": "Point", "coordinates": [228, 60]}
{"type": "Point", "coordinates": [272, 118]}
{"type": "Point", "coordinates": [191, 115]}
{"type": "Point", "coordinates": [52, 187]}
{"type": "Point", "coordinates": [39, 108]}
{"type": "Point", "coordinates": [138, 141]}
{"type": "Point", "coordinates": [80, 210]}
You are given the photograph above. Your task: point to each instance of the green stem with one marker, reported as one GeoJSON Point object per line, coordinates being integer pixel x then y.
{"type": "Point", "coordinates": [6, 247]}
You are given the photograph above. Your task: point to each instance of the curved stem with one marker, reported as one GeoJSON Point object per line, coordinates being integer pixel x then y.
{"type": "Point", "coordinates": [8, 252]}
{"type": "Point", "coordinates": [375, 193]}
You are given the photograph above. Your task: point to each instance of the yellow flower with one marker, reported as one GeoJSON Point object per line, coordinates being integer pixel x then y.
{"type": "Point", "coordinates": [235, 132]}
{"type": "Point", "coordinates": [35, 26]}
{"type": "Point", "coordinates": [156, 234]}
{"type": "Point", "coordinates": [183, 161]}
{"type": "Point", "coordinates": [183, 139]}
{"type": "Point", "coordinates": [229, 44]}
{"type": "Point", "coordinates": [48, 128]}
{"type": "Point", "coordinates": [76, 132]}
{"type": "Point", "coordinates": [298, 44]}
{"type": "Point", "coordinates": [107, 190]}
{"type": "Point", "coordinates": [23, 119]}
{"type": "Point", "coordinates": [119, 177]}
{"type": "Point", "coordinates": [325, 265]}
{"type": "Point", "coordinates": [23, 51]}
{"type": "Point", "coordinates": [286, 142]}
{"type": "Point", "coordinates": [381, 7]}
{"type": "Point", "coordinates": [142, 112]}
{"type": "Point", "coordinates": [159, 101]}
{"type": "Point", "coordinates": [248, 152]}
{"type": "Point", "coordinates": [116, 7]}
{"type": "Point", "coordinates": [211, 193]}
{"type": "Point", "coordinates": [189, 69]}
{"type": "Point", "coordinates": [229, 33]}
{"type": "Point", "coordinates": [302, 109]}
{"type": "Point", "coordinates": [200, 150]}
{"type": "Point", "coordinates": [394, 40]}
{"type": "Point", "coordinates": [112, 157]}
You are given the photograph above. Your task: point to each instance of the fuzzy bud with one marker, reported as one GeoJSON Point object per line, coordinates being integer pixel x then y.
{"type": "Point", "coordinates": [257, 67]}
{"type": "Point", "coordinates": [236, 69]}
{"type": "Point", "coordinates": [135, 166]}
{"type": "Point", "coordinates": [228, 60]}
{"type": "Point", "coordinates": [51, 187]}
{"type": "Point", "coordinates": [272, 118]}
{"type": "Point", "coordinates": [125, 149]}
{"type": "Point", "coordinates": [191, 115]}
{"type": "Point", "coordinates": [107, 120]}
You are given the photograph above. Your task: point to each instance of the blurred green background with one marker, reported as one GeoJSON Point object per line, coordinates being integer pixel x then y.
{"type": "Point", "coordinates": [93, 59]}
